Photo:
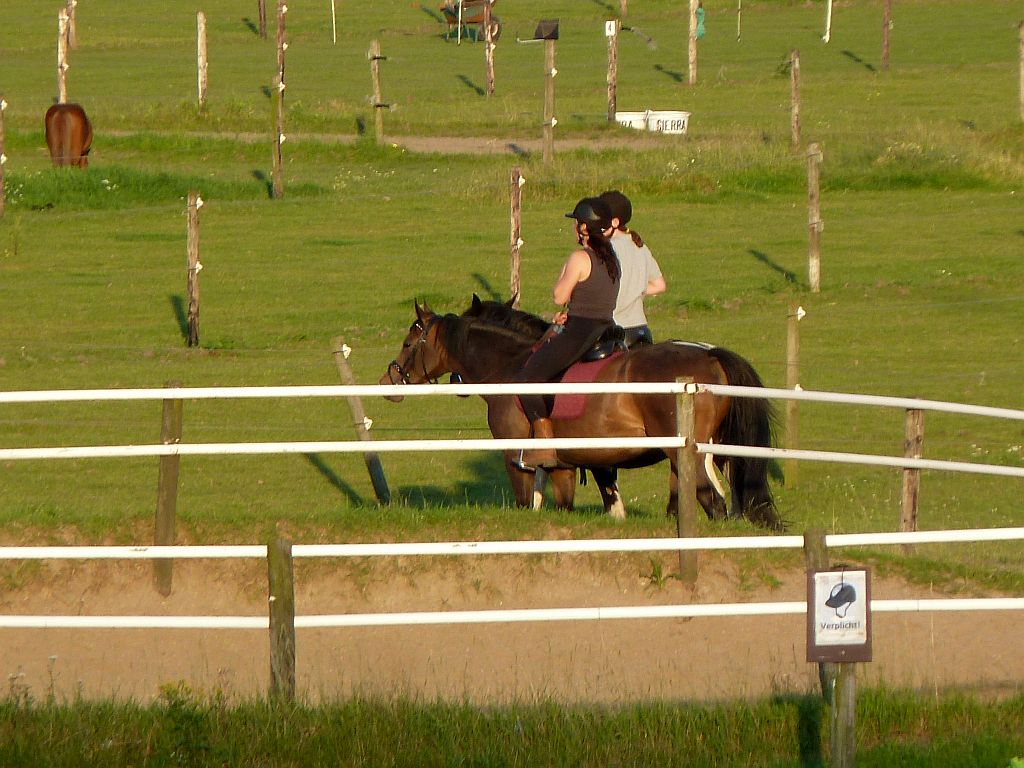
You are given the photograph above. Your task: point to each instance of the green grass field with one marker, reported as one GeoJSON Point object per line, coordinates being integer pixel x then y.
{"type": "Point", "coordinates": [921, 278]}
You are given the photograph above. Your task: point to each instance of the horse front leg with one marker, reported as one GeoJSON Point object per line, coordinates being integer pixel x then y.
{"type": "Point", "coordinates": [563, 487]}
{"type": "Point", "coordinates": [710, 500]}
{"type": "Point", "coordinates": [607, 483]}
{"type": "Point", "coordinates": [522, 482]}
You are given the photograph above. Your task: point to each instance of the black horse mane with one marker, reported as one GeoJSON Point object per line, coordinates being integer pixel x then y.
{"type": "Point", "coordinates": [504, 315]}
{"type": "Point", "coordinates": [456, 331]}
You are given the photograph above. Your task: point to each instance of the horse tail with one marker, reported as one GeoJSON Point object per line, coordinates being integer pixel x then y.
{"type": "Point", "coordinates": [749, 421]}
{"type": "Point", "coordinates": [68, 135]}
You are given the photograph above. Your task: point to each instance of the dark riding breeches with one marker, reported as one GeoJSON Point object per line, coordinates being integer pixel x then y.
{"type": "Point", "coordinates": [554, 356]}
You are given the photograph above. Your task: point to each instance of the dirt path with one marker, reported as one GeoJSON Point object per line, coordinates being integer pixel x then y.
{"type": "Point", "coordinates": [593, 661]}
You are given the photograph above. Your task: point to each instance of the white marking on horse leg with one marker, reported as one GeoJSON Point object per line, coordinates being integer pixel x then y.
{"type": "Point", "coordinates": [539, 478]}
{"type": "Point", "coordinates": [617, 509]}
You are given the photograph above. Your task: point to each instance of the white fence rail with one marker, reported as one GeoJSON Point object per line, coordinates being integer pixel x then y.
{"type": "Point", "coordinates": [496, 548]}
{"type": "Point", "coordinates": [381, 446]}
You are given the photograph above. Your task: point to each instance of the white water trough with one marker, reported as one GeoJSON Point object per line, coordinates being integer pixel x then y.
{"type": "Point", "coordinates": [657, 121]}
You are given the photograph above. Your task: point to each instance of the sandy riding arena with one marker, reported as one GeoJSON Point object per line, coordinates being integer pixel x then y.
{"type": "Point", "coordinates": [592, 661]}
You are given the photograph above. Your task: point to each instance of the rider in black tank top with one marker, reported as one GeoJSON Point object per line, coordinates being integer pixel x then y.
{"type": "Point", "coordinates": [589, 285]}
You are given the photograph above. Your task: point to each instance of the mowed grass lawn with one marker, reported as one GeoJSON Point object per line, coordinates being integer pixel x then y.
{"type": "Point", "coordinates": [921, 278]}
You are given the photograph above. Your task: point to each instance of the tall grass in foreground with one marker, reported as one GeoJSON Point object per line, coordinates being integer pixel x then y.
{"type": "Point", "coordinates": [183, 728]}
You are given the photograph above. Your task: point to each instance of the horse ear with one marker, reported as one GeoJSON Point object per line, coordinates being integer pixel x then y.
{"type": "Point", "coordinates": [476, 303]}
{"type": "Point", "coordinates": [423, 312]}
{"type": "Point", "coordinates": [511, 303]}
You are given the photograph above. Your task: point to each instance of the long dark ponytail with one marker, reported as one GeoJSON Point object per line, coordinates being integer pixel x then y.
{"type": "Point", "coordinates": [602, 248]}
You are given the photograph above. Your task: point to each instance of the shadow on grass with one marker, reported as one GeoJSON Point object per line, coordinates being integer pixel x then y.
{"type": "Point", "coordinates": [810, 715]}
{"type": "Point", "coordinates": [435, 15]}
{"type": "Point", "coordinates": [486, 287]}
{"type": "Point", "coordinates": [471, 85]}
{"type": "Point", "coordinates": [334, 478]}
{"type": "Point", "coordinates": [487, 486]}
{"type": "Point", "coordinates": [178, 305]}
{"type": "Point", "coordinates": [677, 76]}
{"type": "Point", "coordinates": [765, 259]}
{"type": "Point", "coordinates": [858, 60]}
{"type": "Point", "coordinates": [263, 179]}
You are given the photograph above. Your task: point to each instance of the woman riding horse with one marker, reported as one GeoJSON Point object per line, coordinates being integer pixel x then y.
{"type": "Point", "coordinates": [490, 345]}
{"type": "Point", "coordinates": [588, 286]}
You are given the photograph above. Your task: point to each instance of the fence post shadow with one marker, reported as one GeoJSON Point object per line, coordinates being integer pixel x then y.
{"type": "Point", "coordinates": [178, 305]}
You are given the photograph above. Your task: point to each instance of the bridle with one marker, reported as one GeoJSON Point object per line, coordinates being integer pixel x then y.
{"type": "Point", "coordinates": [403, 375]}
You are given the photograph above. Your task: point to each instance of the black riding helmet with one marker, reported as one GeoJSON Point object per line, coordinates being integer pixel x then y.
{"type": "Point", "coordinates": [593, 213]}
{"type": "Point", "coordinates": [619, 205]}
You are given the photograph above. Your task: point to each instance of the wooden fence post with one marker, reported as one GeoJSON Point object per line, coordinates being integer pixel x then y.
{"type": "Point", "coordinates": [194, 267]}
{"type": "Point", "coordinates": [686, 481]}
{"type": "Point", "coordinates": [1020, 33]}
{"type": "Point", "coordinates": [489, 47]}
{"type": "Point", "coordinates": [550, 121]}
{"type": "Point", "coordinates": [913, 447]}
{"type": "Point", "coordinates": [3, 155]}
{"type": "Point", "coordinates": [277, 109]}
{"type": "Point", "coordinates": [375, 58]}
{"type": "Point", "coordinates": [261, 12]}
{"type": "Point", "coordinates": [814, 222]}
{"type": "Point", "coordinates": [277, 102]}
{"type": "Point", "coordinates": [611, 30]}
{"type": "Point", "coordinates": [692, 44]}
{"type": "Point", "coordinates": [167, 491]}
{"type": "Point", "coordinates": [281, 576]}
{"type": "Point", "coordinates": [72, 24]}
{"type": "Point", "coordinates": [844, 708]}
{"type": "Point", "coordinates": [62, 56]}
{"type": "Point", "coordinates": [201, 57]}
{"type": "Point", "coordinates": [886, 32]}
{"type": "Point", "coordinates": [816, 559]}
{"type": "Point", "coordinates": [623, 8]}
{"type": "Point", "coordinates": [515, 233]}
{"type": "Point", "coordinates": [796, 313]}
{"type": "Point", "coordinates": [361, 423]}
{"type": "Point", "coordinates": [794, 98]}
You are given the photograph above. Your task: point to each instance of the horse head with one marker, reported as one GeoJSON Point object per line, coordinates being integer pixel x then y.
{"type": "Point", "coordinates": [421, 359]}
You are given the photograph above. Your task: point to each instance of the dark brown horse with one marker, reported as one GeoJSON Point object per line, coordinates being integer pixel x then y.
{"type": "Point", "coordinates": [68, 135]}
{"type": "Point", "coordinates": [484, 349]}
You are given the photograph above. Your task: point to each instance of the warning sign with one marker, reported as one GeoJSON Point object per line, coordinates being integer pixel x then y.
{"type": "Point", "coordinates": [839, 615]}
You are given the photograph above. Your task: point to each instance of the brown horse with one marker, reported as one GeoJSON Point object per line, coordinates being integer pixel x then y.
{"type": "Point", "coordinates": [485, 350]}
{"type": "Point", "coordinates": [68, 135]}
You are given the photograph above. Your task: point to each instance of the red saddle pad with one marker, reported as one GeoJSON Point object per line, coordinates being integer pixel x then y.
{"type": "Point", "coordinates": [570, 406]}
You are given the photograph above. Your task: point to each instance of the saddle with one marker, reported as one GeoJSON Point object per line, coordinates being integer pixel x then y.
{"type": "Point", "coordinates": [569, 406]}
{"type": "Point", "coordinates": [613, 340]}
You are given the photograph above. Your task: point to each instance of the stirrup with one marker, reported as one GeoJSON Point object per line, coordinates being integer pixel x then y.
{"type": "Point", "coordinates": [521, 465]}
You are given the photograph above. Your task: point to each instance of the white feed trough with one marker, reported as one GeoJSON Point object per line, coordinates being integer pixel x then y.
{"type": "Point", "coordinates": [658, 121]}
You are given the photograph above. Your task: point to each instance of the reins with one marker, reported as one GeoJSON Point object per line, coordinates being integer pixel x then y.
{"type": "Point", "coordinates": [420, 342]}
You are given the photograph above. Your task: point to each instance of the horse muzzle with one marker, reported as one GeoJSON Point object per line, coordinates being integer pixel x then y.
{"type": "Point", "coordinates": [387, 378]}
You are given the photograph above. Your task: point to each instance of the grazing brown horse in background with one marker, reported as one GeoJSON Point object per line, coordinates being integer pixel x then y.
{"type": "Point", "coordinates": [68, 135]}
{"type": "Point", "coordinates": [483, 350]}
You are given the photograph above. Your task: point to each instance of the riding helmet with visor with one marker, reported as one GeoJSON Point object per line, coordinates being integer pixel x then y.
{"type": "Point", "coordinates": [593, 213]}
